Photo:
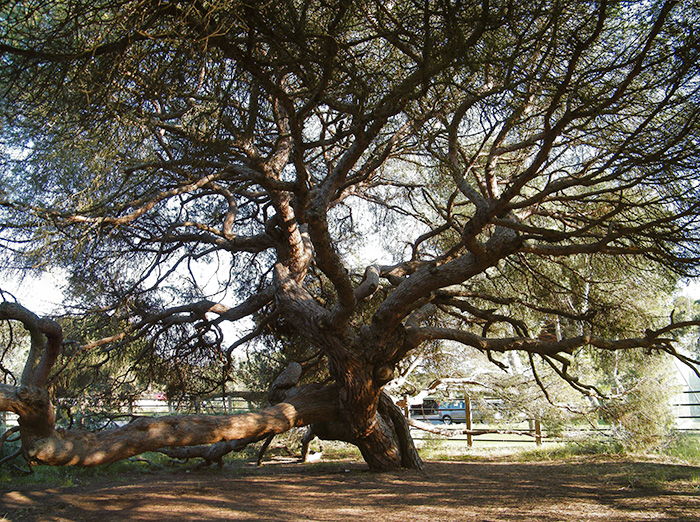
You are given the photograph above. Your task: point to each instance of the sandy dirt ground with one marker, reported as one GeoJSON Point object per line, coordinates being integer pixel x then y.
{"type": "Point", "coordinates": [491, 491]}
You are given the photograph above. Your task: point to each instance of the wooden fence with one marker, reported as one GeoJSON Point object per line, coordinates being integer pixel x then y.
{"type": "Point", "coordinates": [528, 432]}
{"type": "Point", "coordinates": [687, 413]}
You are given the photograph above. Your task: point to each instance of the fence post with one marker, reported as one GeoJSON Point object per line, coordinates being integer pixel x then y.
{"type": "Point", "coordinates": [538, 432]}
{"type": "Point", "coordinates": [224, 402]}
{"type": "Point", "coordinates": [468, 417]}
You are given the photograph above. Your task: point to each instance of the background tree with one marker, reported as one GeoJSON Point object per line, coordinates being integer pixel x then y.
{"type": "Point", "coordinates": [633, 390]}
{"type": "Point", "coordinates": [192, 165]}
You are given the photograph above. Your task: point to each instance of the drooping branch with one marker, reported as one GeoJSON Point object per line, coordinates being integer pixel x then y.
{"type": "Point", "coordinates": [282, 385]}
{"type": "Point", "coordinates": [43, 443]}
{"type": "Point", "coordinates": [213, 453]}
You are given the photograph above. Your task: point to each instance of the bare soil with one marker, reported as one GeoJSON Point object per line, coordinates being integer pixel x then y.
{"type": "Point", "coordinates": [484, 491]}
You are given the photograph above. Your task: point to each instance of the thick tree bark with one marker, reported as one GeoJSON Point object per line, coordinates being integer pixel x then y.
{"type": "Point", "coordinates": [388, 446]}
{"type": "Point", "coordinates": [361, 362]}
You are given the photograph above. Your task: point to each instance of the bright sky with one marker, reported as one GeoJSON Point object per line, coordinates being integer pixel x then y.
{"type": "Point", "coordinates": [690, 288]}
{"type": "Point", "coordinates": [41, 295]}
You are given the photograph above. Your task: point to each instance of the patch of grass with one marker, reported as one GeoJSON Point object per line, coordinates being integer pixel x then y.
{"type": "Point", "coordinates": [336, 450]}
{"type": "Point", "coordinates": [685, 447]}
{"type": "Point", "coordinates": [675, 467]}
{"type": "Point", "coordinates": [659, 476]}
{"type": "Point", "coordinates": [570, 450]}
{"type": "Point", "coordinates": [68, 476]}
{"type": "Point", "coordinates": [680, 449]}
{"type": "Point", "coordinates": [435, 448]}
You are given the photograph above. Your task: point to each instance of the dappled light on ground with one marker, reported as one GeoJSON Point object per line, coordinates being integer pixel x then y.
{"type": "Point", "coordinates": [455, 491]}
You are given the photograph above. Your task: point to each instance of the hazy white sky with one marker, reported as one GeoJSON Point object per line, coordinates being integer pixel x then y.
{"type": "Point", "coordinates": [41, 295]}
{"type": "Point", "coordinates": [690, 289]}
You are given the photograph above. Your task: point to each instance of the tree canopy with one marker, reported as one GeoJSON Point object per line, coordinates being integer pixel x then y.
{"type": "Point", "coordinates": [358, 178]}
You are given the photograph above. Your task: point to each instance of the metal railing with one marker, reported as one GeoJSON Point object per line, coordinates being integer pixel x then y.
{"type": "Point", "coordinates": [688, 411]}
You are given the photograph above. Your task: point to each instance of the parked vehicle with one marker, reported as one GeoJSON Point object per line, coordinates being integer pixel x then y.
{"type": "Point", "coordinates": [428, 407]}
{"type": "Point", "coordinates": [451, 411]}
{"type": "Point", "coordinates": [431, 410]}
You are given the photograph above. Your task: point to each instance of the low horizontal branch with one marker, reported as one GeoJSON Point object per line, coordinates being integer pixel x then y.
{"type": "Point", "coordinates": [309, 404]}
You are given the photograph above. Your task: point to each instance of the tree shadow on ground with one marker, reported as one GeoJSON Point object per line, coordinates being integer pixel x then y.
{"type": "Point", "coordinates": [492, 491]}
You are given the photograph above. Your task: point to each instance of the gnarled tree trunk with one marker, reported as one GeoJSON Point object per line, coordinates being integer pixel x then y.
{"type": "Point", "coordinates": [389, 446]}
